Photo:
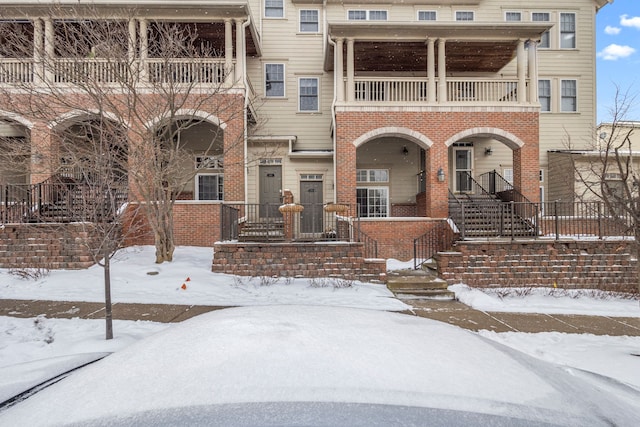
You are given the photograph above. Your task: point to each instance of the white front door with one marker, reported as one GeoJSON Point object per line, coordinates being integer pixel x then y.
{"type": "Point", "coordinates": [463, 158]}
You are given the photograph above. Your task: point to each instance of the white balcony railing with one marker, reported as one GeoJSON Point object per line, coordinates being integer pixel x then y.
{"type": "Point", "coordinates": [390, 90]}
{"type": "Point", "coordinates": [90, 70]}
{"type": "Point", "coordinates": [106, 71]}
{"type": "Point", "coordinates": [416, 90]}
{"type": "Point", "coordinates": [476, 90]}
{"type": "Point", "coordinates": [16, 70]}
{"type": "Point", "coordinates": [201, 70]}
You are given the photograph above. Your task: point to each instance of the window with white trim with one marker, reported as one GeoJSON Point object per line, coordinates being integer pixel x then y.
{"type": "Point", "coordinates": [308, 94]}
{"type": "Point", "coordinates": [372, 175]}
{"type": "Point", "coordinates": [513, 16]}
{"type": "Point", "coordinates": [465, 15]}
{"type": "Point", "coordinates": [569, 96]}
{"type": "Point", "coordinates": [309, 21]}
{"type": "Point", "coordinates": [507, 174]}
{"type": "Point", "coordinates": [209, 162]}
{"type": "Point", "coordinates": [274, 80]}
{"type": "Point", "coordinates": [542, 17]}
{"type": "Point", "coordinates": [367, 15]}
{"type": "Point", "coordinates": [274, 8]}
{"type": "Point", "coordinates": [427, 15]}
{"type": "Point", "coordinates": [373, 201]}
{"type": "Point", "coordinates": [541, 175]}
{"type": "Point", "coordinates": [209, 186]}
{"type": "Point", "coordinates": [544, 95]}
{"type": "Point", "coordinates": [567, 30]}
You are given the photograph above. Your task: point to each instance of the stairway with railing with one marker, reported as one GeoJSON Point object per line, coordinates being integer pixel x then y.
{"type": "Point", "coordinates": [58, 199]}
{"type": "Point", "coordinates": [492, 209]}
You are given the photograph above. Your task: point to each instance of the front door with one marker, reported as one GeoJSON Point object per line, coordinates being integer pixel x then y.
{"type": "Point", "coordinates": [311, 199]}
{"type": "Point", "coordinates": [463, 169]}
{"type": "Point", "coordinates": [270, 191]}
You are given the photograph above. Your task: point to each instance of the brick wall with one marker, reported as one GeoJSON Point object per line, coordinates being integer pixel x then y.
{"type": "Point", "coordinates": [194, 224]}
{"type": "Point", "coordinates": [64, 246]}
{"type": "Point", "coordinates": [344, 260]}
{"type": "Point", "coordinates": [606, 265]}
{"type": "Point", "coordinates": [403, 210]}
{"type": "Point", "coordinates": [395, 236]}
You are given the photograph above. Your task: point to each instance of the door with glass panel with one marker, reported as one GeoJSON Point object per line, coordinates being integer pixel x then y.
{"type": "Point", "coordinates": [463, 158]}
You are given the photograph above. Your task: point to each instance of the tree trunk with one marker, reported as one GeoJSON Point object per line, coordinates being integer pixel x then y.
{"type": "Point", "coordinates": [107, 296]}
{"type": "Point", "coordinates": [164, 245]}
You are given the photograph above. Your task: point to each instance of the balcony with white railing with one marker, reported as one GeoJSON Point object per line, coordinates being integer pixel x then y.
{"type": "Point", "coordinates": [14, 71]}
{"type": "Point", "coordinates": [393, 91]}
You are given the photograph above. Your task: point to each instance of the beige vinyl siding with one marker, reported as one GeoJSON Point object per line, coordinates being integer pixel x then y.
{"type": "Point", "coordinates": [302, 56]}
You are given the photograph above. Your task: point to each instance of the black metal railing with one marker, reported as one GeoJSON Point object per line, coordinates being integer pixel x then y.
{"type": "Point", "coordinates": [495, 184]}
{"type": "Point", "coordinates": [308, 222]}
{"type": "Point", "coordinates": [532, 220]}
{"type": "Point", "coordinates": [439, 238]}
{"type": "Point", "coordinates": [58, 200]}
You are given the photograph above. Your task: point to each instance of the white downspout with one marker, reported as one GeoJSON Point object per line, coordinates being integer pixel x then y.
{"type": "Point", "coordinates": [245, 81]}
{"type": "Point", "coordinates": [333, 102]}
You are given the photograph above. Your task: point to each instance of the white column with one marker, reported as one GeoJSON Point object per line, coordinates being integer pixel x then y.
{"type": "Point", "coordinates": [38, 40]}
{"type": "Point", "coordinates": [532, 66]}
{"type": "Point", "coordinates": [339, 70]}
{"type": "Point", "coordinates": [350, 71]}
{"type": "Point", "coordinates": [442, 71]}
{"type": "Point", "coordinates": [522, 81]}
{"type": "Point", "coordinates": [431, 70]}
{"type": "Point", "coordinates": [228, 51]}
{"type": "Point", "coordinates": [49, 50]}
{"type": "Point", "coordinates": [144, 49]}
{"type": "Point", "coordinates": [131, 48]}
{"type": "Point", "coordinates": [240, 54]}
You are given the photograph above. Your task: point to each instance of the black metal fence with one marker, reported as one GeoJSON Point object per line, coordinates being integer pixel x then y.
{"type": "Point", "coordinates": [439, 238]}
{"type": "Point", "coordinates": [52, 202]}
{"type": "Point", "coordinates": [549, 219]}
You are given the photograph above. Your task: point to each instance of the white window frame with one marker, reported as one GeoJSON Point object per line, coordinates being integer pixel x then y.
{"type": "Point", "coordinates": [547, 33]}
{"type": "Point", "coordinates": [507, 174]}
{"type": "Point", "coordinates": [209, 162]}
{"type": "Point", "coordinates": [541, 175]}
{"type": "Point", "coordinates": [317, 11]}
{"type": "Point", "coordinates": [550, 96]}
{"type": "Point", "coordinates": [562, 96]}
{"type": "Point", "coordinates": [575, 28]}
{"type": "Point", "coordinates": [507, 12]}
{"type": "Point", "coordinates": [282, 15]}
{"type": "Point", "coordinates": [472, 12]}
{"type": "Point", "coordinates": [383, 188]}
{"type": "Point", "coordinates": [221, 191]}
{"type": "Point", "coordinates": [300, 95]}
{"type": "Point", "coordinates": [284, 80]}
{"type": "Point", "coordinates": [435, 15]}
{"type": "Point", "coordinates": [372, 173]}
{"type": "Point", "coordinates": [368, 14]}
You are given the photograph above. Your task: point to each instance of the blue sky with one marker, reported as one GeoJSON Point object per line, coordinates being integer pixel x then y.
{"type": "Point", "coordinates": [618, 55]}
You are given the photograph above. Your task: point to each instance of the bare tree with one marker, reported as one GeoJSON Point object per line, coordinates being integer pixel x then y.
{"type": "Point", "coordinates": [609, 171]}
{"type": "Point", "coordinates": [155, 82]}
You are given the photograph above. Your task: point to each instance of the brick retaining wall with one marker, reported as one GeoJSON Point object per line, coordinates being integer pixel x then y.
{"type": "Point", "coordinates": [43, 246]}
{"type": "Point", "coordinates": [339, 259]}
{"type": "Point", "coordinates": [606, 265]}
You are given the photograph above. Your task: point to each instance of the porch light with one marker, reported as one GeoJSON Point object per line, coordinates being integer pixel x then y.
{"type": "Point", "coordinates": [440, 175]}
{"type": "Point", "coordinates": [405, 151]}
{"type": "Point", "coordinates": [488, 151]}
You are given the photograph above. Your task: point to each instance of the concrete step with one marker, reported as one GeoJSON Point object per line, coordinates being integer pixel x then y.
{"type": "Point", "coordinates": [434, 294]}
{"type": "Point", "coordinates": [418, 284]}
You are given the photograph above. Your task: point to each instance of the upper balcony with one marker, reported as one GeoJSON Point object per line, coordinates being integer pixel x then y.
{"type": "Point", "coordinates": [74, 45]}
{"type": "Point", "coordinates": [453, 65]}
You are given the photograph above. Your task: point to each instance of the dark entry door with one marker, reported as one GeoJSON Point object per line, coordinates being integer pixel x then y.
{"type": "Point", "coordinates": [270, 191]}
{"type": "Point", "coordinates": [311, 199]}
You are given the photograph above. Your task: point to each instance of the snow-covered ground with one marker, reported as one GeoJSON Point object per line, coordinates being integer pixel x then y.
{"type": "Point", "coordinates": [136, 279]}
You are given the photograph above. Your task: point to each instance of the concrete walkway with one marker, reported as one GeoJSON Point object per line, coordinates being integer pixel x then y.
{"type": "Point", "coordinates": [452, 312]}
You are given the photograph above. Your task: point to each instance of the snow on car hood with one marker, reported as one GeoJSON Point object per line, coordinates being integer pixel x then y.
{"type": "Point", "coordinates": [323, 354]}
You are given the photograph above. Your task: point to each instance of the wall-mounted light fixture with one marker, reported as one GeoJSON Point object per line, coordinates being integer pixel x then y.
{"type": "Point", "coordinates": [488, 151]}
{"type": "Point", "coordinates": [440, 175]}
{"type": "Point", "coordinates": [405, 151]}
